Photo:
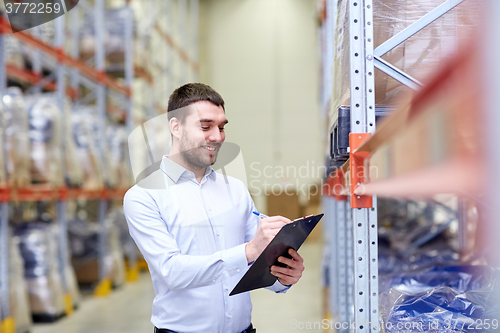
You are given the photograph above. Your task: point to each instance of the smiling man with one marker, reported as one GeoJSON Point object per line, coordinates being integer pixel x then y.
{"type": "Point", "coordinates": [197, 231]}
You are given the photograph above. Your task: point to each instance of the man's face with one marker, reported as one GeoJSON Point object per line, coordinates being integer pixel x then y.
{"type": "Point", "coordinates": [203, 134]}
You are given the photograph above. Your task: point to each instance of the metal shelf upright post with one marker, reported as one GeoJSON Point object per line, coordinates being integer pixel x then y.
{"type": "Point", "coordinates": [193, 23]}
{"type": "Point", "coordinates": [344, 273]}
{"type": "Point", "coordinates": [37, 61]}
{"type": "Point", "coordinates": [104, 287]}
{"type": "Point", "coordinates": [74, 15]}
{"type": "Point", "coordinates": [169, 18]}
{"type": "Point", "coordinates": [6, 321]}
{"type": "Point", "coordinates": [328, 202]}
{"type": "Point", "coordinates": [61, 202]}
{"type": "Point", "coordinates": [182, 40]}
{"type": "Point", "coordinates": [363, 208]}
{"type": "Point", "coordinates": [129, 120]}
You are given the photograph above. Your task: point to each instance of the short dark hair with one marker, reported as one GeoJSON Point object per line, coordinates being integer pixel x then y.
{"type": "Point", "coordinates": [191, 93]}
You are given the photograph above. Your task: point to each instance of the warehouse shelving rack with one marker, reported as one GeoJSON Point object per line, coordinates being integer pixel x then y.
{"type": "Point", "coordinates": [100, 81]}
{"type": "Point", "coordinates": [181, 53]}
{"type": "Point", "coordinates": [353, 243]}
{"type": "Point", "coordinates": [447, 98]}
{"type": "Point", "coordinates": [67, 76]}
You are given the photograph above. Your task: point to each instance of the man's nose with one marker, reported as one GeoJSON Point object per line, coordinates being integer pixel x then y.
{"type": "Point", "coordinates": [215, 135]}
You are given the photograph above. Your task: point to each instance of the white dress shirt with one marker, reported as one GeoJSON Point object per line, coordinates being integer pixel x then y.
{"type": "Point", "coordinates": [193, 237]}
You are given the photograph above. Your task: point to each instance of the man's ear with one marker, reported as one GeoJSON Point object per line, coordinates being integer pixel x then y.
{"type": "Point", "coordinates": [175, 127]}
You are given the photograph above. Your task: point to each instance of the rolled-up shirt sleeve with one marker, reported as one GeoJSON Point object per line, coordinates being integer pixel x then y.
{"type": "Point", "coordinates": [160, 249]}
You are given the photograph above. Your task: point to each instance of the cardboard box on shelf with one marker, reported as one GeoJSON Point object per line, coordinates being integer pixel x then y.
{"type": "Point", "coordinates": [284, 205]}
{"type": "Point", "coordinates": [313, 208]}
{"type": "Point", "coordinates": [87, 272]}
{"type": "Point", "coordinates": [289, 206]}
{"type": "Point", "coordinates": [419, 56]}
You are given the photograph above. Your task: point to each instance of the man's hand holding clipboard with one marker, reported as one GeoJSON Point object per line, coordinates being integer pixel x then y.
{"type": "Point", "coordinates": [289, 236]}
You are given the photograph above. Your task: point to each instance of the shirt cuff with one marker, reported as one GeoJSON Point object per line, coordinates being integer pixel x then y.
{"type": "Point", "coordinates": [278, 287]}
{"type": "Point", "coordinates": [235, 259]}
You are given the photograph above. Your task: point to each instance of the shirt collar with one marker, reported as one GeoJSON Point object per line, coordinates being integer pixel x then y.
{"type": "Point", "coordinates": [175, 171]}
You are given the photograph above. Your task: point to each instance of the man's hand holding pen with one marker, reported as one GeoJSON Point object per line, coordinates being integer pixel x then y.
{"type": "Point", "coordinates": [267, 229]}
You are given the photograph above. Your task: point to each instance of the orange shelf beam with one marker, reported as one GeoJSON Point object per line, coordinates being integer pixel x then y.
{"type": "Point", "coordinates": [47, 192]}
{"type": "Point", "coordinates": [27, 76]}
{"type": "Point", "coordinates": [141, 72]}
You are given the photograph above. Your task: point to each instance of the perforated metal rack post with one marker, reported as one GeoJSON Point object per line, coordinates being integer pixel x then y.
{"type": "Point", "coordinates": [194, 15]}
{"type": "Point", "coordinates": [364, 220]}
{"type": "Point", "coordinates": [129, 120]}
{"type": "Point", "coordinates": [4, 219]}
{"type": "Point", "coordinates": [4, 263]}
{"type": "Point", "coordinates": [182, 8]}
{"type": "Point", "coordinates": [329, 205]}
{"type": "Point", "coordinates": [62, 222]}
{"type": "Point", "coordinates": [342, 272]}
{"type": "Point", "coordinates": [170, 61]}
{"type": "Point", "coordinates": [100, 56]}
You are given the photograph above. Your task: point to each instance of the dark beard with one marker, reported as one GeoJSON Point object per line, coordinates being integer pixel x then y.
{"type": "Point", "coordinates": [193, 158]}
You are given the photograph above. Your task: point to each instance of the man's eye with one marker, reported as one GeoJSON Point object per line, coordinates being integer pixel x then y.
{"type": "Point", "coordinates": [204, 128]}
{"type": "Point", "coordinates": [221, 128]}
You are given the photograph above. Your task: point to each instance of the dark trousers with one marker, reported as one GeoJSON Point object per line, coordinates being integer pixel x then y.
{"type": "Point", "coordinates": [249, 329]}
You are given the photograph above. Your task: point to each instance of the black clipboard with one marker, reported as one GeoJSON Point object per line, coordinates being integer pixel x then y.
{"type": "Point", "coordinates": [291, 235]}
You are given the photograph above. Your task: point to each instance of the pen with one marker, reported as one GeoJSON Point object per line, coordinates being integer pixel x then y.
{"type": "Point", "coordinates": [262, 216]}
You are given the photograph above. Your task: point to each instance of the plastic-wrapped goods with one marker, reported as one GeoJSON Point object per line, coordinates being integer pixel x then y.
{"type": "Point", "coordinates": [84, 243]}
{"type": "Point", "coordinates": [419, 56]}
{"type": "Point", "coordinates": [13, 51]}
{"type": "Point", "coordinates": [114, 34]}
{"type": "Point", "coordinates": [441, 310]}
{"type": "Point", "coordinates": [118, 156]}
{"type": "Point", "coordinates": [442, 299]}
{"type": "Point", "coordinates": [45, 137]}
{"type": "Point", "coordinates": [16, 134]}
{"type": "Point", "coordinates": [73, 167]}
{"type": "Point", "coordinates": [460, 278]}
{"type": "Point", "coordinates": [391, 261]}
{"type": "Point", "coordinates": [84, 126]}
{"type": "Point", "coordinates": [388, 261]}
{"type": "Point", "coordinates": [117, 275]}
{"type": "Point", "coordinates": [415, 234]}
{"type": "Point", "coordinates": [19, 301]}
{"type": "Point", "coordinates": [409, 225]}
{"type": "Point", "coordinates": [46, 33]}
{"type": "Point", "coordinates": [69, 271]}
{"type": "Point", "coordinates": [117, 217]}
{"type": "Point", "coordinates": [143, 35]}
{"type": "Point", "coordinates": [41, 271]}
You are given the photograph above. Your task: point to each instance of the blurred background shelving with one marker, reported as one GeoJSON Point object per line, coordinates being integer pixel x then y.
{"type": "Point", "coordinates": [72, 89]}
